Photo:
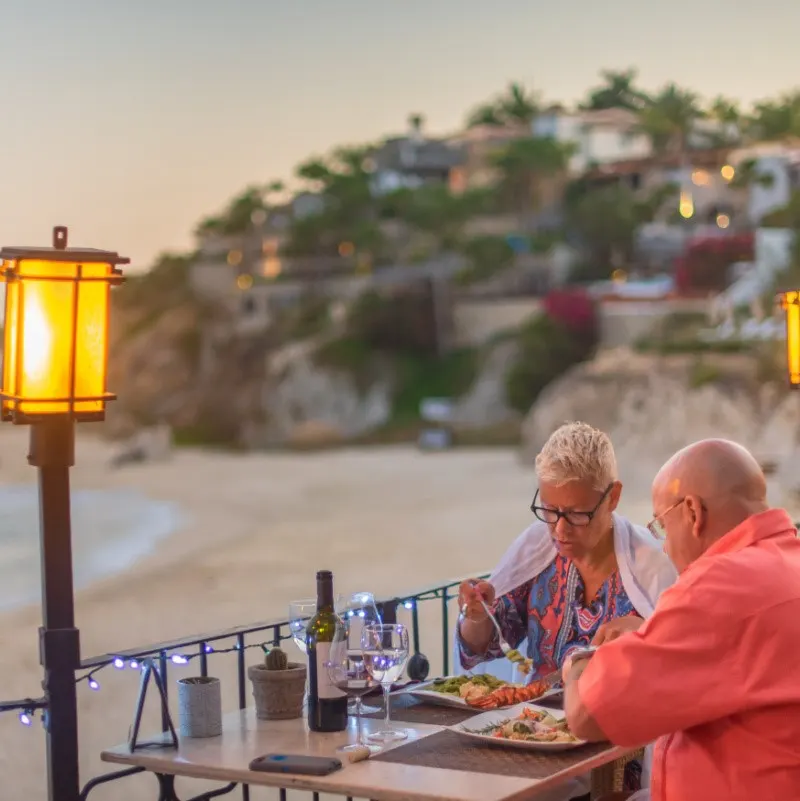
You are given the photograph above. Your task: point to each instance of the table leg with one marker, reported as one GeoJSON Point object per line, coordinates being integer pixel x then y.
{"type": "Point", "coordinates": [166, 787]}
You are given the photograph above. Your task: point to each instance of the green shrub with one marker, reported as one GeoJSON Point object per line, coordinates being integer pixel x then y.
{"type": "Point", "coordinates": [546, 349]}
{"type": "Point", "coordinates": [671, 347]}
{"type": "Point", "coordinates": [702, 373]}
{"type": "Point", "coordinates": [417, 378]}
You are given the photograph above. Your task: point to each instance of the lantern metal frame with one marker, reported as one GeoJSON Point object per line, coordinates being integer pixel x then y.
{"type": "Point", "coordinates": [59, 252]}
{"type": "Point", "coordinates": [785, 299]}
{"type": "Point", "coordinates": [52, 452]}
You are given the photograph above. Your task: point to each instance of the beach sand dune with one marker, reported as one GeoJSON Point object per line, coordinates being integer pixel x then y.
{"type": "Point", "coordinates": [254, 530]}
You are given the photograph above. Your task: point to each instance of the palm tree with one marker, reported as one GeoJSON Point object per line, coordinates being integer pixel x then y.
{"type": "Point", "coordinates": [730, 118]}
{"type": "Point", "coordinates": [776, 119]}
{"type": "Point", "coordinates": [669, 117]}
{"type": "Point", "coordinates": [524, 164]}
{"type": "Point", "coordinates": [617, 91]}
{"type": "Point", "coordinates": [516, 107]}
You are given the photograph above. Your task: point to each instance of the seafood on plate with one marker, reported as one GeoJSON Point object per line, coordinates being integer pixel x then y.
{"type": "Point", "coordinates": [533, 725]}
{"type": "Point", "coordinates": [470, 688]}
{"type": "Point", "coordinates": [509, 695]}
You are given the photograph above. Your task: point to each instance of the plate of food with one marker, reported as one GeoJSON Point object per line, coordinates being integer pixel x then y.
{"type": "Point", "coordinates": [524, 726]}
{"type": "Point", "coordinates": [480, 692]}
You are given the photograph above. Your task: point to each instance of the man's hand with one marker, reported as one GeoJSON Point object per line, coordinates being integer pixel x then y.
{"type": "Point", "coordinates": [573, 667]}
{"type": "Point", "coordinates": [470, 593]}
{"type": "Point", "coordinates": [616, 628]}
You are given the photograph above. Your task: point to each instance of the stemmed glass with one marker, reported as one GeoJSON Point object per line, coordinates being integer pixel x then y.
{"type": "Point", "coordinates": [300, 613]}
{"type": "Point", "coordinates": [357, 611]}
{"type": "Point", "coordinates": [385, 648]}
{"type": "Point", "coordinates": [348, 672]}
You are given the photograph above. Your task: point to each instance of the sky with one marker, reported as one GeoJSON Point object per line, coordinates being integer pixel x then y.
{"type": "Point", "coordinates": [130, 120]}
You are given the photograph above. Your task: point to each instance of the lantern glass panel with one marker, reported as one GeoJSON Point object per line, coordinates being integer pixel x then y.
{"type": "Point", "coordinates": [792, 307]}
{"type": "Point", "coordinates": [56, 338]}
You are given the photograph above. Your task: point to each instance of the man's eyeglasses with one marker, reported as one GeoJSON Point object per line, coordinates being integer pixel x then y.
{"type": "Point", "coordinates": [551, 516]}
{"type": "Point", "coordinates": [656, 525]}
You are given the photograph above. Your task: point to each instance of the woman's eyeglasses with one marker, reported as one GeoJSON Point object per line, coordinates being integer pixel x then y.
{"type": "Point", "coordinates": [575, 518]}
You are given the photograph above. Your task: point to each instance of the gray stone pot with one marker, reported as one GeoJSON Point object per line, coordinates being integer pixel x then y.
{"type": "Point", "coordinates": [278, 694]}
{"type": "Point", "coordinates": [199, 707]}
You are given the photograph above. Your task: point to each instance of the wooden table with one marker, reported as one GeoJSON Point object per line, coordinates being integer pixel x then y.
{"type": "Point", "coordinates": [226, 758]}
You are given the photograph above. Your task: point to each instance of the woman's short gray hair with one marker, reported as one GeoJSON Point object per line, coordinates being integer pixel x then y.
{"type": "Point", "coordinates": [577, 452]}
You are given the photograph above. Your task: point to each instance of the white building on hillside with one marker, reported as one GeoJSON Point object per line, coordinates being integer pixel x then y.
{"type": "Point", "coordinates": [601, 137]}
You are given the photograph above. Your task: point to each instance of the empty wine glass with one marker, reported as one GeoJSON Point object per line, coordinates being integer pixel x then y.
{"type": "Point", "coordinates": [358, 610]}
{"type": "Point", "coordinates": [347, 672]}
{"type": "Point", "coordinates": [300, 613]}
{"type": "Point", "coordinates": [385, 650]}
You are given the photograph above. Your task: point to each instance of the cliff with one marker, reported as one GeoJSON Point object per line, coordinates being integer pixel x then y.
{"type": "Point", "coordinates": [653, 405]}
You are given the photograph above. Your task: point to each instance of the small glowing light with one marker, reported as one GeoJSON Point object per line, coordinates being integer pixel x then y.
{"type": "Point", "coordinates": [686, 205]}
{"type": "Point", "coordinates": [346, 249]}
{"type": "Point", "coordinates": [361, 613]}
{"type": "Point", "coordinates": [723, 220]}
{"type": "Point", "coordinates": [619, 276]}
{"type": "Point", "coordinates": [409, 604]}
{"type": "Point", "coordinates": [93, 684]}
{"type": "Point", "coordinates": [701, 178]}
{"type": "Point", "coordinates": [244, 281]}
{"type": "Point", "coordinates": [350, 613]}
{"type": "Point", "coordinates": [208, 649]}
{"type": "Point", "coordinates": [25, 719]}
{"type": "Point", "coordinates": [179, 659]}
{"type": "Point", "coordinates": [134, 664]}
{"type": "Point", "coordinates": [234, 257]}
{"type": "Point", "coordinates": [728, 172]}
{"type": "Point", "coordinates": [271, 267]}
{"type": "Point", "coordinates": [119, 663]}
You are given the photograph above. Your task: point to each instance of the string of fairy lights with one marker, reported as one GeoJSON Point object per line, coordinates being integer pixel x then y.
{"type": "Point", "coordinates": [28, 708]}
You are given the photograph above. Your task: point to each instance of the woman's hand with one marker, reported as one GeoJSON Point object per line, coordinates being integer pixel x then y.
{"type": "Point", "coordinates": [616, 628]}
{"type": "Point", "coordinates": [470, 593]}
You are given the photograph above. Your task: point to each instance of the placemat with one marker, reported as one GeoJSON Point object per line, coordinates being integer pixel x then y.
{"type": "Point", "coordinates": [407, 709]}
{"type": "Point", "coordinates": [451, 751]}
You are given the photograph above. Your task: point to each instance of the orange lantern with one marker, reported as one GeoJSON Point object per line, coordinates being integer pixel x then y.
{"type": "Point", "coordinates": [55, 355]}
{"type": "Point", "coordinates": [790, 303]}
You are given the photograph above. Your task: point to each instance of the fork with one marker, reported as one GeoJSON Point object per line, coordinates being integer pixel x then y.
{"type": "Point", "coordinates": [550, 679]}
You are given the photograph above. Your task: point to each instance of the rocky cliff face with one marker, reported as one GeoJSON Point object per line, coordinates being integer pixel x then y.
{"type": "Point", "coordinates": [652, 406]}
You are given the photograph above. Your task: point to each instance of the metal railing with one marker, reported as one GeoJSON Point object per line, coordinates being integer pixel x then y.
{"type": "Point", "coordinates": [202, 647]}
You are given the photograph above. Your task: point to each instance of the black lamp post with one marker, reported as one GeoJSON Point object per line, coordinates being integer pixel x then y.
{"type": "Point", "coordinates": [55, 360]}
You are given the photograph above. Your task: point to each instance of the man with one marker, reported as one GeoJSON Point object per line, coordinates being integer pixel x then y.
{"type": "Point", "coordinates": [714, 673]}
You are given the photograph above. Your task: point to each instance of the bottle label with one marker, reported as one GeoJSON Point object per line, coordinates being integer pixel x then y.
{"type": "Point", "coordinates": [325, 687]}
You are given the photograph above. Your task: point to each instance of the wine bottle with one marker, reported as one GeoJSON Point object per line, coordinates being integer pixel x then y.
{"type": "Point", "coordinates": [327, 704]}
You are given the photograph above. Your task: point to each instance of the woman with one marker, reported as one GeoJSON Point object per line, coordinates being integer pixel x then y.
{"type": "Point", "coordinates": [577, 569]}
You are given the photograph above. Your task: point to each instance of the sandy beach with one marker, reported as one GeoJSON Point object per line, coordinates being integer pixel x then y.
{"type": "Point", "coordinates": [253, 530]}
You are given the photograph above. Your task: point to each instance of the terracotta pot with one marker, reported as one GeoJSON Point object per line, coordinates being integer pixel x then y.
{"type": "Point", "coordinates": [278, 694]}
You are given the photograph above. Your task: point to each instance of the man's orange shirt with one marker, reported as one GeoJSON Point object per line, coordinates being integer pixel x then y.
{"type": "Point", "coordinates": [714, 674]}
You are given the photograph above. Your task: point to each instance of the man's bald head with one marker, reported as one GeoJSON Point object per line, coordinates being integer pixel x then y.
{"type": "Point", "coordinates": [714, 467]}
{"type": "Point", "coordinates": [703, 492]}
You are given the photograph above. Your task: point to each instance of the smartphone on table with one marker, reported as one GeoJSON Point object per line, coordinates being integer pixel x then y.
{"type": "Point", "coordinates": [295, 763]}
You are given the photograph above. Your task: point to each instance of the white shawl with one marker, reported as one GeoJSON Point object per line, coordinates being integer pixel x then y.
{"type": "Point", "coordinates": [644, 568]}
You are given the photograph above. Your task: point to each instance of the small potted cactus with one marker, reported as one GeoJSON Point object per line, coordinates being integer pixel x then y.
{"type": "Point", "coordinates": [279, 686]}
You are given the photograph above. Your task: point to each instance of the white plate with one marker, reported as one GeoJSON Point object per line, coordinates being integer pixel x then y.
{"type": "Point", "coordinates": [441, 699]}
{"type": "Point", "coordinates": [471, 727]}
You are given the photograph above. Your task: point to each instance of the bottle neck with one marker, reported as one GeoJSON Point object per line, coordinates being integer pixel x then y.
{"type": "Point", "coordinates": [325, 595]}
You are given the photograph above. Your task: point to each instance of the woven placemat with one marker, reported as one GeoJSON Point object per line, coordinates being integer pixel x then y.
{"type": "Point", "coordinates": [451, 751]}
{"type": "Point", "coordinates": [407, 709]}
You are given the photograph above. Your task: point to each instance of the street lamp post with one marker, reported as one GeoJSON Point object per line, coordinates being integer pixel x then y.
{"type": "Point", "coordinates": [55, 361]}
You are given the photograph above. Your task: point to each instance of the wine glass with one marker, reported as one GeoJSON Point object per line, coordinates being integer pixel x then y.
{"type": "Point", "coordinates": [300, 613]}
{"type": "Point", "coordinates": [347, 672]}
{"type": "Point", "coordinates": [385, 649]}
{"type": "Point", "coordinates": [358, 610]}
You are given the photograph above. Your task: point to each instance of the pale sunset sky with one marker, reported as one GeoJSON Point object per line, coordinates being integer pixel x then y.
{"type": "Point", "coordinates": [128, 120]}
